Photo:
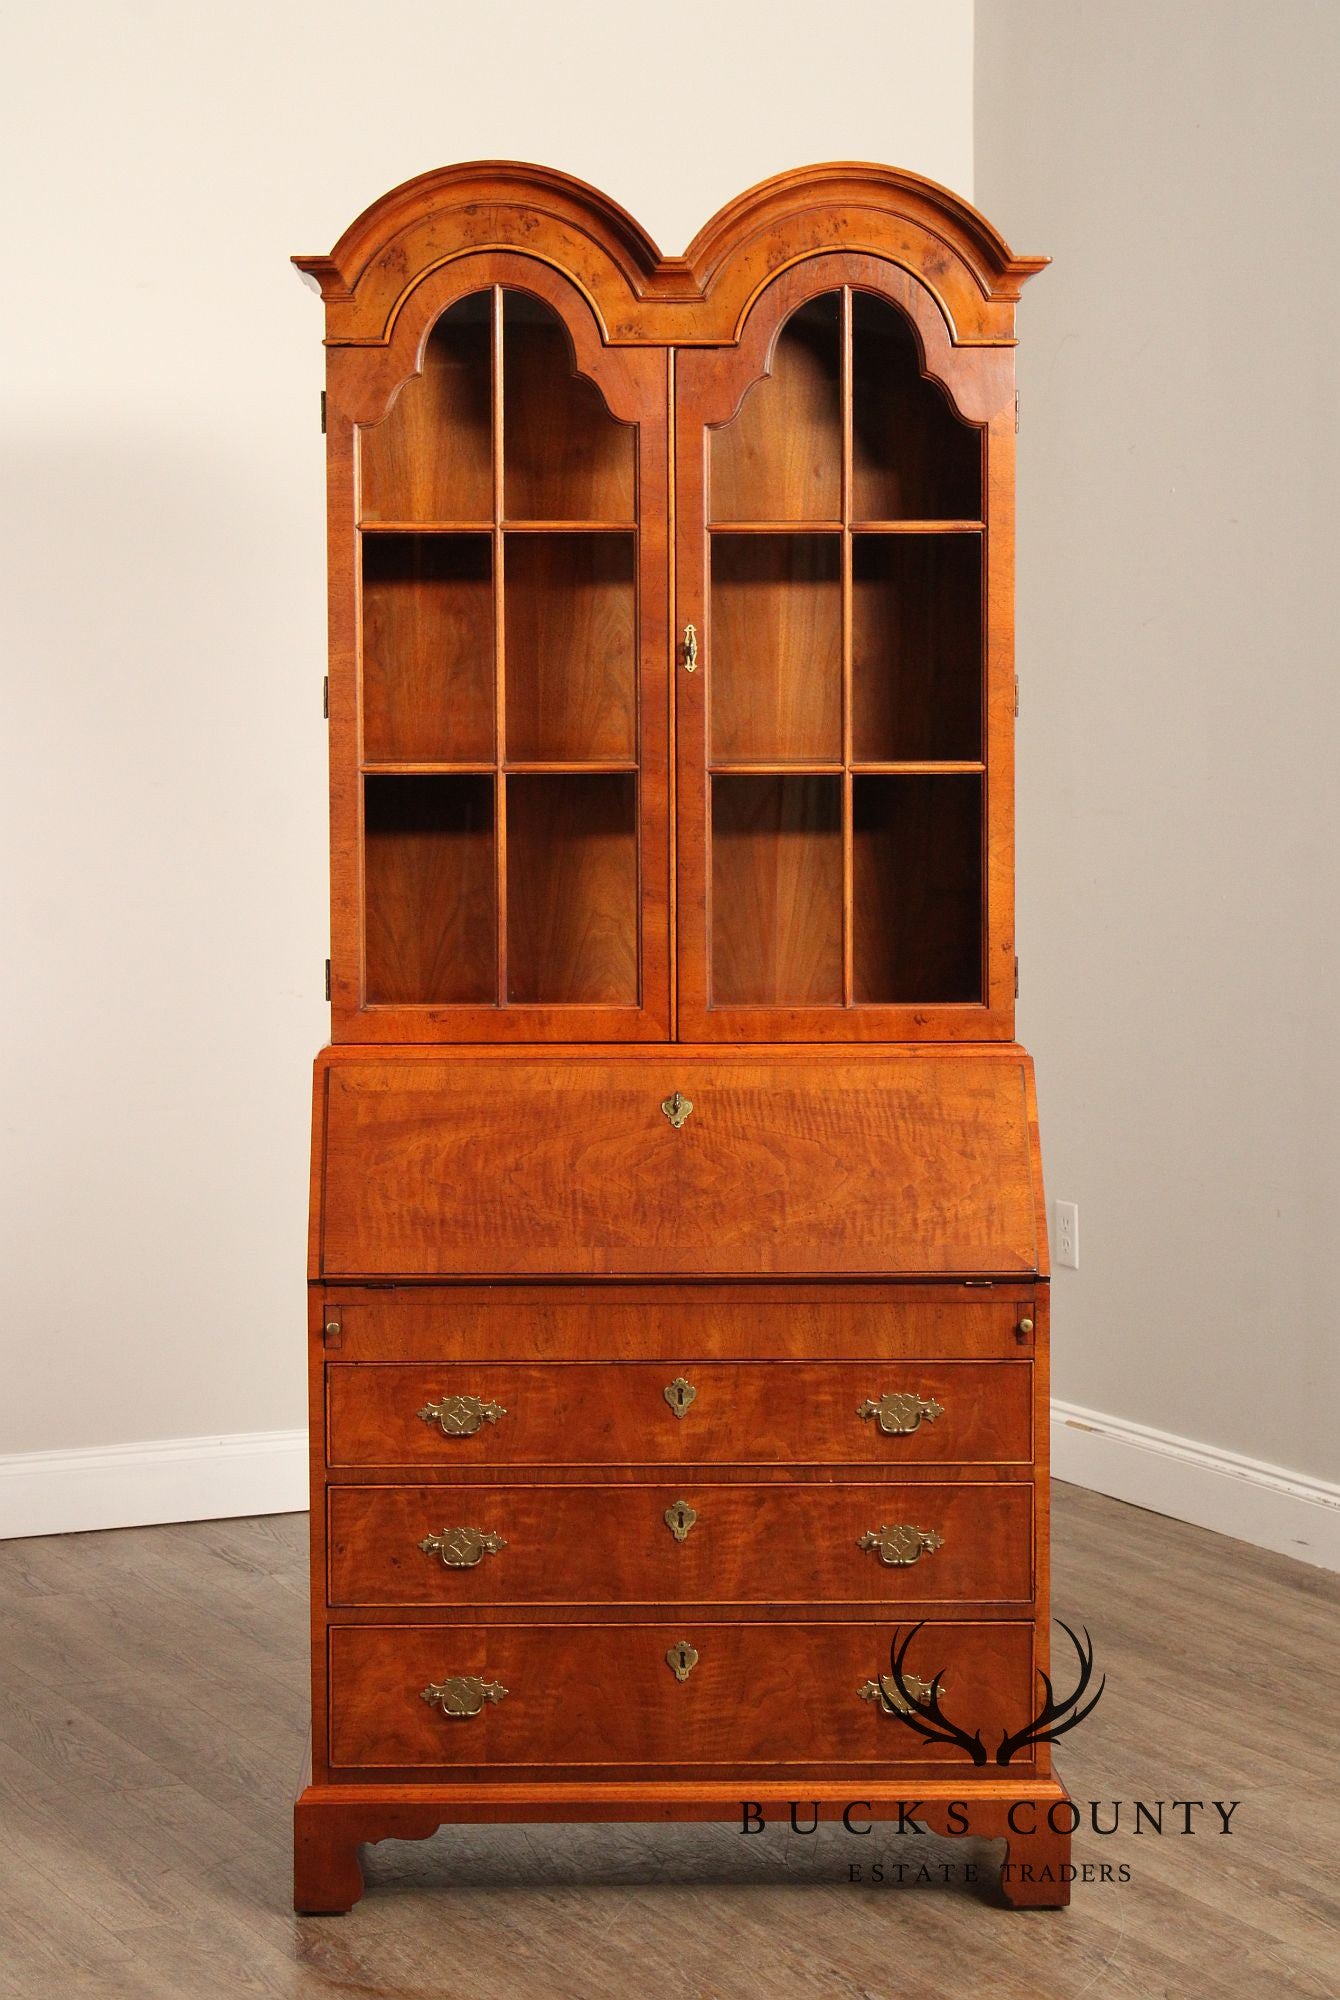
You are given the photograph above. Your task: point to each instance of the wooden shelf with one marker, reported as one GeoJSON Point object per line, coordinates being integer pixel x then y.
{"type": "Point", "coordinates": [425, 527]}
{"type": "Point", "coordinates": [569, 527]}
{"type": "Point", "coordinates": [774, 527]}
{"type": "Point", "coordinates": [400, 767]}
{"type": "Point", "coordinates": [917, 527]}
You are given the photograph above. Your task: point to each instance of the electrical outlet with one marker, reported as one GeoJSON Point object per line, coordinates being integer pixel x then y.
{"type": "Point", "coordinates": [1067, 1234]}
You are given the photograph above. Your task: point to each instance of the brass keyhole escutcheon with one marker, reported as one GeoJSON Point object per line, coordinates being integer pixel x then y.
{"type": "Point", "coordinates": [461, 1416]}
{"type": "Point", "coordinates": [681, 1659]}
{"type": "Point", "coordinates": [679, 1518]}
{"type": "Point", "coordinates": [679, 1394]}
{"type": "Point", "coordinates": [462, 1548]}
{"type": "Point", "coordinates": [677, 1109]}
{"type": "Point", "coordinates": [899, 1543]}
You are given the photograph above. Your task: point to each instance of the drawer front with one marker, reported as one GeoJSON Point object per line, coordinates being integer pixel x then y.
{"type": "Point", "coordinates": [967, 1323]}
{"type": "Point", "coordinates": [530, 1695]}
{"type": "Point", "coordinates": [766, 1413]}
{"type": "Point", "coordinates": [686, 1543]}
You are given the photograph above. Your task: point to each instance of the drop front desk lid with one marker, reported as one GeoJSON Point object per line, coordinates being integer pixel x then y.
{"type": "Point", "coordinates": [433, 1164]}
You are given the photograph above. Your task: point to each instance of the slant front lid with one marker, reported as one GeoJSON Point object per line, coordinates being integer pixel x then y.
{"type": "Point", "coordinates": [898, 1165]}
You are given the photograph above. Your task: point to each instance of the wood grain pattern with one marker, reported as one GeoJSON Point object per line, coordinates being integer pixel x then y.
{"type": "Point", "coordinates": [916, 688]}
{"type": "Point", "coordinates": [604, 1696]}
{"type": "Point", "coordinates": [572, 889]}
{"type": "Point", "coordinates": [429, 459]}
{"type": "Point", "coordinates": [917, 888]}
{"type": "Point", "coordinates": [579, 1545]}
{"type": "Point", "coordinates": [571, 610]}
{"type": "Point", "coordinates": [441, 1167]}
{"type": "Point", "coordinates": [780, 458]}
{"type": "Point", "coordinates": [776, 891]}
{"type": "Point", "coordinates": [429, 872]}
{"type": "Point", "coordinates": [427, 649]}
{"type": "Point", "coordinates": [776, 682]}
{"type": "Point", "coordinates": [636, 1323]}
{"type": "Point", "coordinates": [913, 458]}
{"type": "Point", "coordinates": [597, 1413]}
{"type": "Point", "coordinates": [565, 457]}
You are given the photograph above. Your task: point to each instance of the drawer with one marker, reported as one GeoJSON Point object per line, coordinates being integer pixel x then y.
{"type": "Point", "coordinates": [576, 1323]}
{"type": "Point", "coordinates": [765, 1413]}
{"type": "Point", "coordinates": [533, 1695]}
{"type": "Point", "coordinates": [687, 1543]}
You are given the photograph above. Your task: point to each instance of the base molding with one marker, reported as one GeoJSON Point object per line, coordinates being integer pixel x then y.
{"type": "Point", "coordinates": [1246, 1498]}
{"type": "Point", "coordinates": [331, 1822]}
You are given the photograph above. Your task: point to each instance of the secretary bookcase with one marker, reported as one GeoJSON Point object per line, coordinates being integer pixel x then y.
{"type": "Point", "coordinates": [678, 1273]}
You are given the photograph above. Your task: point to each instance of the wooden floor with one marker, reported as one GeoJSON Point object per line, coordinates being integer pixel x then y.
{"type": "Point", "coordinates": [151, 1724]}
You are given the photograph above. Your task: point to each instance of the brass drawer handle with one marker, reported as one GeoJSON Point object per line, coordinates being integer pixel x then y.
{"type": "Point", "coordinates": [462, 1548]}
{"type": "Point", "coordinates": [900, 1544]}
{"type": "Point", "coordinates": [900, 1412]}
{"type": "Point", "coordinates": [681, 1659]}
{"type": "Point", "coordinates": [679, 1394]}
{"type": "Point", "coordinates": [462, 1696]}
{"type": "Point", "coordinates": [885, 1692]}
{"type": "Point", "coordinates": [679, 1517]}
{"type": "Point", "coordinates": [690, 650]}
{"type": "Point", "coordinates": [461, 1416]}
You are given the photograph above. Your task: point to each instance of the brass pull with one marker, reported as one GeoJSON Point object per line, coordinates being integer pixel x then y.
{"type": "Point", "coordinates": [681, 1659]}
{"type": "Point", "coordinates": [461, 1416]}
{"type": "Point", "coordinates": [679, 1517]}
{"type": "Point", "coordinates": [1025, 1327]}
{"type": "Point", "coordinates": [885, 1692]}
{"type": "Point", "coordinates": [462, 1548]}
{"type": "Point", "coordinates": [462, 1696]}
{"type": "Point", "coordinates": [677, 1109]}
{"type": "Point", "coordinates": [690, 650]}
{"type": "Point", "coordinates": [900, 1412]}
{"type": "Point", "coordinates": [900, 1544]}
{"type": "Point", "coordinates": [679, 1394]}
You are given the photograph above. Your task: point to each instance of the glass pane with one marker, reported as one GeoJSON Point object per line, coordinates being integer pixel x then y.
{"type": "Point", "coordinates": [572, 888]}
{"type": "Point", "coordinates": [917, 888]}
{"type": "Point", "coordinates": [916, 648]}
{"type": "Point", "coordinates": [427, 649]}
{"type": "Point", "coordinates": [565, 458]}
{"type": "Point", "coordinates": [780, 457]}
{"type": "Point", "coordinates": [571, 653]}
{"type": "Point", "coordinates": [775, 666]}
{"type": "Point", "coordinates": [429, 889]}
{"type": "Point", "coordinates": [776, 891]}
{"type": "Point", "coordinates": [431, 459]}
{"type": "Point", "coordinates": [912, 458]}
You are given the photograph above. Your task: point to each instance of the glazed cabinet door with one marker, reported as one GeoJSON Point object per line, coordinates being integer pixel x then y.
{"type": "Point", "coordinates": [845, 687]}
{"type": "Point", "coordinates": [499, 500]}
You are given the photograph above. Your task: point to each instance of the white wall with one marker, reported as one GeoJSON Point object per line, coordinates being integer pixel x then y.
{"type": "Point", "coordinates": [163, 781]}
{"type": "Point", "coordinates": [1179, 889]}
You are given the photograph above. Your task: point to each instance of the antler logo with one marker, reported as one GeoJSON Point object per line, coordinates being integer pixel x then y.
{"type": "Point", "coordinates": [922, 1712]}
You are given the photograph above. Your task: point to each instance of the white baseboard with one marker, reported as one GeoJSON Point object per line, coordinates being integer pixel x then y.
{"type": "Point", "coordinates": [1289, 1512]}
{"type": "Point", "coordinates": [141, 1485]}
{"type": "Point", "coordinates": [265, 1472]}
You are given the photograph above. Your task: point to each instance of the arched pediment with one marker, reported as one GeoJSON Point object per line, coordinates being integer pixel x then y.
{"type": "Point", "coordinates": [640, 297]}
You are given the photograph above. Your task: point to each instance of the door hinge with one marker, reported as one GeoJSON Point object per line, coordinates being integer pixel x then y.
{"type": "Point", "coordinates": [1016, 694]}
{"type": "Point", "coordinates": [325, 697]}
{"type": "Point", "coordinates": [323, 413]}
{"type": "Point", "coordinates": [327, 979]}
{"type": "Point", "coordinates": [1016, 413]}
{"type": "Point", "coordinates": [1016, 980]}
